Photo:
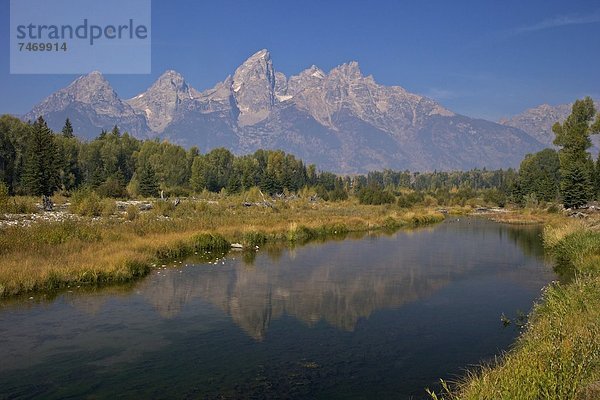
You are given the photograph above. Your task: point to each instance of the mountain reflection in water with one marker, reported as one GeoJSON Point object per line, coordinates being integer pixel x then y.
{"type": "Point", "coordinates": [341, 282]}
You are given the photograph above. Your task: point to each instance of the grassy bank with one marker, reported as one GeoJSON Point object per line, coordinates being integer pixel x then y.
{"type": "Point", "coordinates": [119, 248]}
{"type": "Point", "coordinates": [558, 355]}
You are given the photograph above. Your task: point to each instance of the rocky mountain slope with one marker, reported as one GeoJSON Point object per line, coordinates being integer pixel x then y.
{"type": "Point", "coordinates": [92, 105]}
{"type": "Point", "coordinates": [538, 122]}
{"type": "Point", "coordinates": [341, 120]}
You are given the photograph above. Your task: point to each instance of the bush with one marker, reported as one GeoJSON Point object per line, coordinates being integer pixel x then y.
{"type": "Point", "coordinates": [429, 201]}
{"type": "Point", "coordinates": [322, 193]}
{"type": "Point", "coordinates": [300, 233]}
{"type": "Point", "coordinates": [530, 201]}
{"type": "Point", "coordinates": [112, 187]}
{"type": "Point", "coordinates": [3, 195]}
{"type": "Point", "coordinates": [495, 197]}
{"type": "Point", "coordinates": [407, 200]}
{"type": "Point", "coordinates": [132, 213]}
{"type": "Point", "coordinates": [86, 202]}
{"type": "Point", "coordinates": [177, 191]}
{"type": "Point", "coordinates": [163, 207]}
{"type": "Point", "coordinates": [109, 207]}
{"type": "Point", "coordinates": [208, 241]}
{"type": "Point", "coordinates": [375, 196]}
{"type": "Point", "coordinates": [443, 197]}
{"type": "Point", "coordinates": [337, 194]}
{"type": "Point", "coordinates": [15, 205]}
{"type": "Point", "coordinates": [253, 195]}
{"type": "Point", "coordinates": [254, 238]}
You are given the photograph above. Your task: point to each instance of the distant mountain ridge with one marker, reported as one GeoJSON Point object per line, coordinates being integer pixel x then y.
{"type": "Point", "coordinates": [538, 121]}
{"type": "Point", "coordinates": [341, 120]}
{"type": "Point", "coordinates": [92, 105]}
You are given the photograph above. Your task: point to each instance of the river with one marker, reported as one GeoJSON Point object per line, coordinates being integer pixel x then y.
{"type": "Point", "coordinates": [371, 317]}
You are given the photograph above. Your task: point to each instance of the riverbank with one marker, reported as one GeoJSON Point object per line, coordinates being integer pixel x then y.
{"type": "Point", "coordinates": [115, 248]}
{"type": "Point", "coordinates": [558, 354]}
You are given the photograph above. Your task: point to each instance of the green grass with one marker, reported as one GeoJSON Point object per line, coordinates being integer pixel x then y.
{"type": "Point", "coordinates": [558, 354]}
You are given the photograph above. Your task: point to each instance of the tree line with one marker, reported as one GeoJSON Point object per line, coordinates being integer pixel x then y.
{"type": "Point", "coordinates": [568, 175]}
{"type": "Point", "coordinates": [36, 161]}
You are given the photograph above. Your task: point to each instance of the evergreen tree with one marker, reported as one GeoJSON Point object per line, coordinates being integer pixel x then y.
{"type": "Point", "coordinates": [311, 174]}
{"type": "Point", "coordinates": [198, 178]}
{"type": "Point", "coordinates": [41, 170]}
{"type": "Point", "coordinates": [268, 183]}
{"type": "Point", "coordinates": [576, 165]}
{"type": "Point", "coordinates": [576, 187]}
{"type": "Point", "coordinates": [67, 130]}
{"type": "Point", "coordinates": [234, 185]}
{"type": "Point", "coordinates": [116, 132]}
{"type": "Point", "coordinates": [14, 137]}
{"type": "Point", "coordinates": [539, 174]}
{"type": "Point", "coordinates": [7, 158]}
{"type": "Point", "coordinates": [148, 183]}
{"type": "Point", "coordinates": [69, 171]}
{"type": "Point", "coordinates": [597, 178]}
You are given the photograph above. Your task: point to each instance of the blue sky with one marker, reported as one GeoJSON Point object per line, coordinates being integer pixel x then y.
{"type": "Point", "coordinates": [485, 59]}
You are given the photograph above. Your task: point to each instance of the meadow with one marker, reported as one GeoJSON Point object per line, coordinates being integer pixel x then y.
{"type": "Point", "coordinates": [98, 244]}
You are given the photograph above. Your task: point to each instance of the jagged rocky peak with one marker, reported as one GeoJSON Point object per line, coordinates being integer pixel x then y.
{"type": "Point", "coordinates": [309, 78]}
{"type": "Point", "coordinates": [171, 79]}
{"type": "Point", "coordinates": [92, 105]}
{"type": "Point", "coordinates": [342, 120]}
{"type": "Point", "coordinates": [162, 100]}
{"type": "Point", "coordinates": [219, 93]}
{"type": "Point", "coordinates": [345, 89]}
{"type": "Point", "coordinates": [91, 89]}
{"type": "Point", "coordinates": [349, 70]}
{"type": "Point", "coordinates": [253, 88]}
{"type": "Point", "coordinates": [215, 99]}
{"type": "Point", "coordinates": [281, 87]}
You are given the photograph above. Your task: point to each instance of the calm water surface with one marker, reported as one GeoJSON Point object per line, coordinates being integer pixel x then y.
{"type": "Point", "coordinates": [377, 317]}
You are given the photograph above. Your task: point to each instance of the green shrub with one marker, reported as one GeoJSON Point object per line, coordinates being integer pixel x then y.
{"type": "Point", "coordinates": [494, 197]}
{"type": "Point", "coordinates": [163, 207]}
{"type": "Point", "coordinates": [530, 201]}
{"type": "Point", "coordinates": [375, 196]}
{"type": "Point", "coordinates": [553, 208]}
{"type": "Point", "coordinates": [252, 195]}
{"type": "Point", "coordinates": [429, 201]}
{"type": "Point", "coordinates": [177, 191]}
{"type": "Point", "coordinates": [300, 233]}
{"type": "Point", "coordinates": [208, 241]}
{"type": "Point", "coordinates": [337, 194]}
{"type": "Point", "coordinates": [254, 239]}
{"type": "Point", "coordinates": [108, 206]}
{"type": "Point", "coordinates": [132, 213]}
{"type": "Point", "coordinates": [3, 196]}
{"type": "Point", "coordinates": [407, 200]}
{"type": "Point", "coordinates": [112, 187]}
{"type": "Point", "coordinates": [87, 203]}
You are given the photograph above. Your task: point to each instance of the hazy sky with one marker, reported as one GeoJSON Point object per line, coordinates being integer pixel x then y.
{"type": "Point", "coordinates": [479, 58]}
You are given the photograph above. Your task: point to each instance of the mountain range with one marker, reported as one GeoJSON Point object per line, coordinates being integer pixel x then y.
{"type": "Point", "coordinates": [340, 120]}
